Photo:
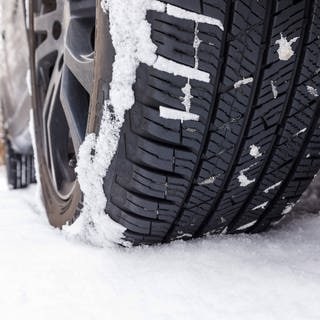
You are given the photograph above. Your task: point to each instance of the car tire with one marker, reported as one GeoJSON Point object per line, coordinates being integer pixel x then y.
{"type": "Point", "coordinates": [241, 164]}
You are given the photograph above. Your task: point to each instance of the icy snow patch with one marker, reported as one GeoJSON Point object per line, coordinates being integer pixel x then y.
{"type": "Point", "coordinates": [313, 91]}
{"type": "Point", "coordinates": [274, 90]}
{"type": "Point", "coordinates": [196, 45]}
{"type": "Point", "coordinates": [95, 156]}
{"type": "Point", "coordinates": [177, 69]}
{"type": "Point", "coordinates": [127, 22]}
{"type": "Point", "coordinates": [189, 15]}
{"type": "Point", "coordinates": [285, 51]}
{"type": "Point", "coordinates": [186, 100]}
{"type": "Point", "coordinates": [261, 206]}
{"type": "Point", "coordinates": [272, 187]}
{"type": "Point", "coordinates": [255, 151]}
{"type": "Point", "coordinates": [207, 181]}
{"type": "Point", "coordinates": [243, 179]}
{"type": "Point", "coordinates": [173, 114]}
{"type": "Point", "coordinates": [184, 235]}
{"type": "Point", "coordinates": [247, 225]}
{"type": "Point", "coordinates": [288, 208]}
{"type": "Point", "coordinates": [131, 39]}
{"type": "Point", "coordinates": [239, 83]}
{"type": "Point", "coordinates": [299, 132]}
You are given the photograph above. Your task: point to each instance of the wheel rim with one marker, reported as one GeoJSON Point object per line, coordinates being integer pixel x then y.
{"type": "Point", "coordinates": [64, 63]}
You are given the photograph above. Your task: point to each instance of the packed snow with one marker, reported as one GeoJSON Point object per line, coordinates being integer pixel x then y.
{"type": "Point", "coordinates": [242, 82]}
{"type": "Point", "coordinates": [169, 113]}
{"type": "Point", "coordinates": [177, 12]}
{"type": "Point", "coordinates": [247, 225]}
{"type": "Point", "coordinates": [300, 132]}
{"type": "Point", "coordinates": [48, 274]}
{"type": "Point", "coordinates": [177, 69]}
{"type": "Point", "coordinates": [261, 206]}
{"type": "Point", "coordinates": [196, 44]}
{"type": "Point", "coordinates": [255, 151]}
{"type": "Point", "coordinates": [244, 181]}
{"type": "Point", "coordinates": [285, 50]}
{"type": "Point", "coordinates": [313, 91]}
{"type": "Point", "coordinates": [272, 187]}
{"type": "Point", "coordinates": [274, 89]}
{"type": "Point", "coordinates": [207, 181]}
{"type": "Point", "coordinates": [186, 99]}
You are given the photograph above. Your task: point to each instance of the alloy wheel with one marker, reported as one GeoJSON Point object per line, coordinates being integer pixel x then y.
{"type": "Point", "coordinates": [64, 65]}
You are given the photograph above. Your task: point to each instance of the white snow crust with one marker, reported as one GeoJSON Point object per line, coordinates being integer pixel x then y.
{"type": "Point", "coordinates": [300, 131]}
{"type": "Point", "coordinates": [272, 187]}
{"type": "Point", "coordinates": [274, 89]}
{"type": "Point", "coordinates": [285, 51]}
{"type": "Point", "coordinates": [196, 44]}
{"type": "Point", "coordinates": [169, 113]}
{"type": "Point", "coordinates": [189, 15]}
{"type": "Point", "coordinates": [178, 69]}
{"type": "Point", "coordinates": [313, 91]}
{"type": "Point", "coordinates": [242, 82]}
{"type": "Point", "coordinates": [207, 181]}
{"type": "Point", "coordinates": [243, 179]}
{"type": "Point", "coordinates": [288, 208]}
{"type": "Point", "coordinates": [186, 100]}
{"type": "Point", "coordinates": [261, 206]}
{"type": "Point", "coordinates": [255, 151]}
{"type": "Point", "coordinates": [247, 225]}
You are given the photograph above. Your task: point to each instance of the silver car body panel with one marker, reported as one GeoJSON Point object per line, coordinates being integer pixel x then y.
{"type": "Point", "coordinates": [14, 93]}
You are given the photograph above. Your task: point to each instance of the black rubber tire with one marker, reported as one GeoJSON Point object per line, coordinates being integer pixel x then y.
{"type": "Point", "coordinates": [20, 168]}
{"type": "Point", "coordinates": [154, 184]}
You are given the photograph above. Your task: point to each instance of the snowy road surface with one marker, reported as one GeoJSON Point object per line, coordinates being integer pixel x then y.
{"type": "Point", "coordinates": [46, 275]}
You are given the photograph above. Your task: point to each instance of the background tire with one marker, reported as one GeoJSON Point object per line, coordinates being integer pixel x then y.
{"type": "Point", "coordinates": [20, 168]}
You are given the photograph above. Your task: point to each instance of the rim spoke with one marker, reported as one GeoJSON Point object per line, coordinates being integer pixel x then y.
{"type": "Point", "coordinates": [75, 107]}
{"type": "Point", "coordinates": [49, 104]}
{"type": "Point", "coordinates": [45, 22]}
{"type": "Point", "coordinates": [82, 69]}
{"type": "Point", "coordinates": [44, 50]}
{"type": "Point", "coordinates": [60, 150]}
{"type": "Point", "coordinates": [78, 53]}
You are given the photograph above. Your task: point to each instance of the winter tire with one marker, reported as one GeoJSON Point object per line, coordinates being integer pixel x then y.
{"type": "Point", "coordinates": [223, 138]}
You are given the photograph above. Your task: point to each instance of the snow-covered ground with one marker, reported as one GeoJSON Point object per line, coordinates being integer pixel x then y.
{"type": "Point", "coordinates": [46, 275]}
